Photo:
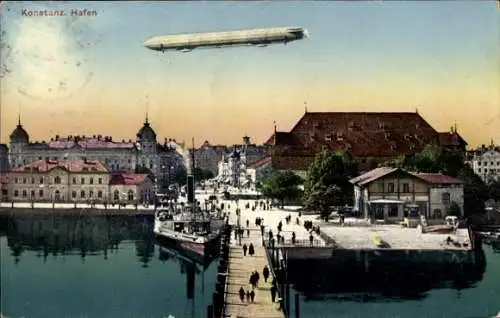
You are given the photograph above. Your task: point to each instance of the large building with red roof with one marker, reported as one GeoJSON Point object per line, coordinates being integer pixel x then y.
{"type": "Point", "coordinates": [372, 138]}
{"type": "Point", "coordinates": [74, 181]}
{"type": "Point", "coordinates": [117, 156]}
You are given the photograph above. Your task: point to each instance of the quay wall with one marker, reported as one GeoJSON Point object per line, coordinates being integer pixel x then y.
{"type": "Point", "coordinates": [73, 211]}
{"type": "Point", "coordinates": [385, 255]}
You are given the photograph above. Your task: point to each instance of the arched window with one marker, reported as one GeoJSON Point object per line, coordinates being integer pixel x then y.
{"type": "Point", "coordinates": [99, 194]}
{"type": "Point", "coordinates": [91, 194]}
{"type": "Point", "coordinates": [73, 194]}
{"type": "Point", "coordinates": [57, 180]}
{"type": "Point", "coordinates": [32, 194]}
{"type": "Point", "coordinates": [25, 194]}
{"type": "Point", "coordinates": [445, 199]}
{"type": "Point", "coordinates": [41, 180]}
{"type": "Point", "coordinates": [16, 193]}
{"type": "Point", "coordinates": [57, 195]}
{"type": "Point", "coordinates": [40, 193]}
{"type": "Point", "coordinates": [116, 195]}
{"type": "Point", "coordinates": [82, 194]}
{"type": "Point", "coordinates": [130, 195]}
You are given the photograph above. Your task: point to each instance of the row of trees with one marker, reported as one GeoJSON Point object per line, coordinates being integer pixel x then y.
{"type": "Point", "coordinates": [327, 183]}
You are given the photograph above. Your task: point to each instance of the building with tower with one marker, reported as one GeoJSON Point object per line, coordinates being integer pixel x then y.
{"type": "Point", "coordinates": [144, 153]}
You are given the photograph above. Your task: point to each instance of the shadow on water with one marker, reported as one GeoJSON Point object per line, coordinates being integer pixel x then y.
{"type": "Point", "coordinates": [61, 235]}
{"type": "Point", "coordinates": [127, 241]}
{"type": "Point", "coordinates": [381, 280]}
{"type": "Point", "coordinates": [91, 235]}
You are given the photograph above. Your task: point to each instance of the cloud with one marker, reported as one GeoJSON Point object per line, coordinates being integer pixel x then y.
{"type": "Point", "coordinates": [49, 57]}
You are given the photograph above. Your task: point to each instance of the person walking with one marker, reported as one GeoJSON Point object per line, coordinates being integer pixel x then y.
{"type": "Point", "coordinates": [245, 250]}
{"type": "Point", "coordinates": [252, 295]}
{"type": "Point", "coordinates": [311, 238]}
{"type": "Point", "coordinates": [251, 250]}
{"type": "Point", "coordinates": [293, 238]}
{"type": "Point", "coordinates": [248, 296]}
{"type": "Point", "coordinates": [242, 294]}
{"type": "Point", "coordinates": [273, 293]}
{"type": "Point", "coordinates": [265, 273]}
{"type": "Point", "coordinates": [248, 223]}
{"type": "Point", "coordinates": [257, 277]}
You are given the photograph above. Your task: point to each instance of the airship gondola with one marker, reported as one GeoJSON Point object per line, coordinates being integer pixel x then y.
{"type": "Point", "coordinates": [253, 37]}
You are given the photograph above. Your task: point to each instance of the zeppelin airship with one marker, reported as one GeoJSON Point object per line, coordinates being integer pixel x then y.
{"type": "Point", "coordinates": [257, 37]}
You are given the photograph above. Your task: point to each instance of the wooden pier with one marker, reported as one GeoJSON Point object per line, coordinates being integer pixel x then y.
{"type": "Point", "coordinates": [239, 270]}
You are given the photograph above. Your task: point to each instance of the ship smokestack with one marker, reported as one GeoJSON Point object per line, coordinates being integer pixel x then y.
{"type": "Point", "coordinates": [190, 180]}
{"type": "Point", "coordinates": [190, 189]}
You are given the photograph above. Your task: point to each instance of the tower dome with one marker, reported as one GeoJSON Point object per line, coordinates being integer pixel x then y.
{"type": "Point", "coordinates": [19, 134]}
{"type": "Point", "coordinates": [146, 132]}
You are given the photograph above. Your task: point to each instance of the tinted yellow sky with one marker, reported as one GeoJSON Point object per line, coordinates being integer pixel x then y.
{"type": "Point", "coordinates": [449, 70]}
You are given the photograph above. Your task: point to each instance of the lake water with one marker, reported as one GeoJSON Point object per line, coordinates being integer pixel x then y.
{"type": "Point", "coordinates": [86, 267]}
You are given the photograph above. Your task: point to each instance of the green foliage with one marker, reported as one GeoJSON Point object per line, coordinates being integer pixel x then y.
{"type": "Point", "coordinates": [495, 190]}
{"type": "Point", "coordinates": [282, 186]}
{"type": "Point", "coordinates": [453, 210]}
{"type": "Point", "coordinates": [144, 170]}
{"type": "Point", "coordinates": [328, 183]}
{"type": "Point", "coordinates": [321, 197]}
{"type": "Point", "coordinates": [201, 174]}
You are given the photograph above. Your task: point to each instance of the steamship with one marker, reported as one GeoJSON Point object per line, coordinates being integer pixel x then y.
{"type": "Point", "coordinates": [186, 224]}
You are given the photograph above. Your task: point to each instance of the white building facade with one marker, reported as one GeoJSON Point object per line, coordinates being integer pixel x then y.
{"type": "Point", "coordinates": [486, 163]}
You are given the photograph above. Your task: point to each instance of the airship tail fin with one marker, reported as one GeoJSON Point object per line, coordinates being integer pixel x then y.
{"type": "Point", "coordinates": [306, 33]}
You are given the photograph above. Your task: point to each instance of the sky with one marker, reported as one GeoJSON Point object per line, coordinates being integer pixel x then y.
{"type": "Point", "coordinates": [92, 75]}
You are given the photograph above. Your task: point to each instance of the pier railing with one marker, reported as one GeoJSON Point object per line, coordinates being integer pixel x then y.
{"type": "Point", "coordinates": [284, 243]}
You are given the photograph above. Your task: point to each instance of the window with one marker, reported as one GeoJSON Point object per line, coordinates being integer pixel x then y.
{"type": "Point", "coordinates": [24, 180]}
{"type": "Point", "coordinates": [57, 180]}
{"type": "Point", "coordinates": [130, 195]}
{"type": "Point", "coordinates": [32, 194]}
{"type": "Point", "coordinates": [82, 180]}
{"type": "Point", "coordinates": [116, 195]}
{"type": "Point", "coordinates": [41, 180]}
{"type": "Point", "coordinates": [99, 194]}
{"type": "Point", "coordinates": [74, 180]}
{"type": "Point", "coordinates": [393, 211]}
{"type": "Point", "coordinates": [82, 194]}
{"type": "Point", "coordinates": [16, 193]}
{"type": "Point", "coordinates": [16, 180]}
{"type": "Point", "coordinates": [99, 180]}
{"type": "Point", "coordinates": [381, 187]}
{"type": "Point", "coordinates": [32, 180]}
{"type": "Point", "coordinates": [91, 180]}
{"type": "Point", "coordinates": [73, 194]}
{"type": "Point", "coordinates": [436, 213]}
{"type": "Point", "coordinates": [479, 163]}
{"type": "Point", "coordinates": [406, 188]}
{"type": "Point", "coordinates": [40, 193]}
{"type": "Point", "coordinates": [445, 199]}
{"type": "Point", "coordinates": [390, 187]}
{"type": "Point", "coordinates": [25, 194]}
{"type": "Point", "coordinates": [91, 194]}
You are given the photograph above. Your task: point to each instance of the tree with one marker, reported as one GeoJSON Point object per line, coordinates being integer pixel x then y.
{"type": "Point", "coordinates": [202, 174]}
{"type": "Point", "coordinates": [328, 181]}
{"type": "Point", "coordinates": [495, 190]}
{"type": "Point", "coordinates": [322, 197]}
{"type": "Point", "coordinates": [453, 210]}
{"type": "Point", "coordinates": [282, 186]}
{"type": "Point", "coordinates": [144, 170]}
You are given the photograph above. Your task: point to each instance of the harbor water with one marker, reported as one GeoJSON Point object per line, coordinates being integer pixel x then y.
{"type": "Point", "coordinates": [103, 266]}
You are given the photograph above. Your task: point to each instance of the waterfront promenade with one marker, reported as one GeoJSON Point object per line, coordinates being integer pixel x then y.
{"type": "Point", "coordinates": [239, 270]}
